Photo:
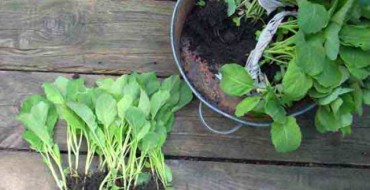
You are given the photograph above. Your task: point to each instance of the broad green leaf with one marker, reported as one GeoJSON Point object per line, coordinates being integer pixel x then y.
{"type": "Point", "coordinates": [150, 82]}
{"type": "Point", "coordinates": [106, 109]}
{"type": "Point", "coordinates": [35, 121]}
{"type": "Point", "coordinates": [29, 102]}
{"type": "Point", "coordinates": [185, 97]}
{"type": "Point", "coordinates": [122, 106]}
{"type": "Point", "coordinates": [70, 117]}
{"type": "Point", "coordinates": [331, 76]}
{"type": "Point", "coordinates": [74, 89]}
{"type": "Point", "coordinates": [334, 95]}
{"type": "Point", "coordinates": [149, 142]}
{"type": "Point", "coordinates": [275, 110]}
{"type": "Point", "coordinates": [61, 83]}
{"type": "Point", "coordinates": [165, 117]}
{"type": "Point", "coordinates": [144, 103]}
{"type": "Point", "coordinates": [236, 81]}
{"type": "Point", "coordinates": [311, 56]}
{"type": "Point", "coordinates": [132, 87]}
{"type": "Point", "coordinates": [172, 84]}
{"type": "Point", "coordinates": [332, 43]}
{"type": "Point", "coordinates": [35, 142]}
{"type": "Point", "coordinates": [336, 104]}
{"type": "Point", "coordinates": [340, 16]}
{"type": "Point", "coordinates": [85, 113]}
{"type": "Point", "coordinates": [144, 130]}
{"type": "Point", "coordinates": [346, 131]}
{"type": "Point", "coordinates": [286, 137]}
{"type": "Point", "coordinates": [295, 82]}
{"type": "Point", "coordinates": [53, 94]}
{"type": "Point", "coordinates": [360, 74]}
{"type": "Point", "coordinates": [355, 57]}
{"type": "Point", "coordinates": [231, 7]}
{"type": "Point", "coordinates": [157, 101]}
{"type": "Point", "coordinates": [312, 17]}
{"type": "Point", "coordinates": [136, 118]}
{"type": "Point", "coordinates": [354, 35]}
{"type": "Point", "coordinates": [247, 105]}
{"type": "Point", "coordinates": [326, 121]}
{"type": "Point", "coordinates": [162, 132]}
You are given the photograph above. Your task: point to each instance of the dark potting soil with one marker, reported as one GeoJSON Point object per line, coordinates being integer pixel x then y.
{"type": "Point", "coordinates": [214, 37]}
{"type": "Point", "coordinates": [93, 183]}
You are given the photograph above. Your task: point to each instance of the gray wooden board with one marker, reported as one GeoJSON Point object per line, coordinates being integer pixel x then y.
{"type": "Point", "coordinates": [189, 138]}
{"type": "Point", "coordinates": [26, 171]}
{"type": "Point", "coordinates": [86, 36]}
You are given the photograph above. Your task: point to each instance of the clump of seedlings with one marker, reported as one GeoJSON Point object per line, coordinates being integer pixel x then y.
{"type": "Point", "coordinates": [307, 52]}
{"type": "Point", "coordinates": [124, 123]}
{"type": "Point", "coordinates": [323, 56]}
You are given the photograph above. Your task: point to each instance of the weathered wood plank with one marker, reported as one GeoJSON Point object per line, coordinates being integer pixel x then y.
{"type": "Point", "coordinates": [86, 36]}
{"type": "Point", "coordinates": [189, 138]}
{"type": "Point", "coordinates": [25, 171]}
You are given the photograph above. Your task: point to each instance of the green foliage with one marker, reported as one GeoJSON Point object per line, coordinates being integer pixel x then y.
{"type": "Point", "coordinates": [323, 54]}
{"type": "Point", "coordinates": [117, 119]}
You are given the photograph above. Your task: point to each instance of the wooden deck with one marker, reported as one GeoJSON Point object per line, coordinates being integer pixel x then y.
{"type": "Point", "coordinates": [43, 39]}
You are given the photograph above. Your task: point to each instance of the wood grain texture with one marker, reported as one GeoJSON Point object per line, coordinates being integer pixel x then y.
{"type": "Point", "coordinates": [86, 36]}
{"type": "Point", "coordinates": [189, 138]}
{"type": "Point", "coordinates": [29, 173]}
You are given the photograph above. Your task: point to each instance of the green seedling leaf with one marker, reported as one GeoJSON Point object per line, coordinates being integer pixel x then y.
{"type": "Point", "coordinates": [333, 96]}
{"type": "Point", "coordinates": [331, 76]}
{"type": "Point", "coordinates": [172, 84]}
{"type": "Point", "coordinates": [312, 17]}
{"type": "Point", "coordinates": [168, 173]}
{"type": "Point", "coordinates": [311, 56]}
{"type": "Point", "coordinates": [132, 87]}
{"type": "Point", "coordinates": [185, 97]}
{"type": "Point", "coordinates": [122, 106]}
{"type": "Point", "coordinates": [296, 83]}
{"type": "Point", "coordinates": [70, 117]}
{"type": "Point", "coordinates": [326, 121]}
{"type": "Point", "coordinates": [231, 7]}
{"type": "Point", "coordinates": [29, 102]}
{"type": "Point", "coordinates": [165, 117]}
{"type": "Point", "coordinates": [106, 109]}
{"type": "Point", "coordinates": [85, 113]}
{"type": "Point", "coordinates": [150, 82]}
{"type": "Point", "coordinates": [74, 89]}
{"type": "Point", "coordinates": [158, 100]}
{"type": "Point", "coordinates": [286, 137]}
{"type": "Point", "coordinates": [346, 131]}
{"type": "Point", "coordinates": [332, 43]}
{"type": "Point", "coordinates": [35, 142]}
{"type": "Point", "coordinates": [275, 110]}
{"type": "Point", "coordinates": [53, 94]}
{"type": "Point", "coordinates": [136, 118]}
{"type": "Point", "coordinates": [336, 104]}
{"type": "Point", "coordinates": [355, 57]}
{"type": "Point", "coordinates": [236, 81]}
{"type": "Point", "coordinates": [149, 142]}
{"type": "Point", "coordinates": [61, 83]}
{"type": "Point", "coordinates": [143, 131]}
{"type": "Point", "coordinates": [247, 105]}
{"type": "Point", "coordinates": [35, 121]}
{"type": "Point", "coordinates": [162, 132]}
{"type": "Point", "coordinates": [354, 35]}
{"type": "Point", "coordinates": [144, 103]}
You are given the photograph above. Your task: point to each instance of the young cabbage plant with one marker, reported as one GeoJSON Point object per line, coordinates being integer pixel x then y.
{"type": "Point", "coordinates": [39, 117]}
